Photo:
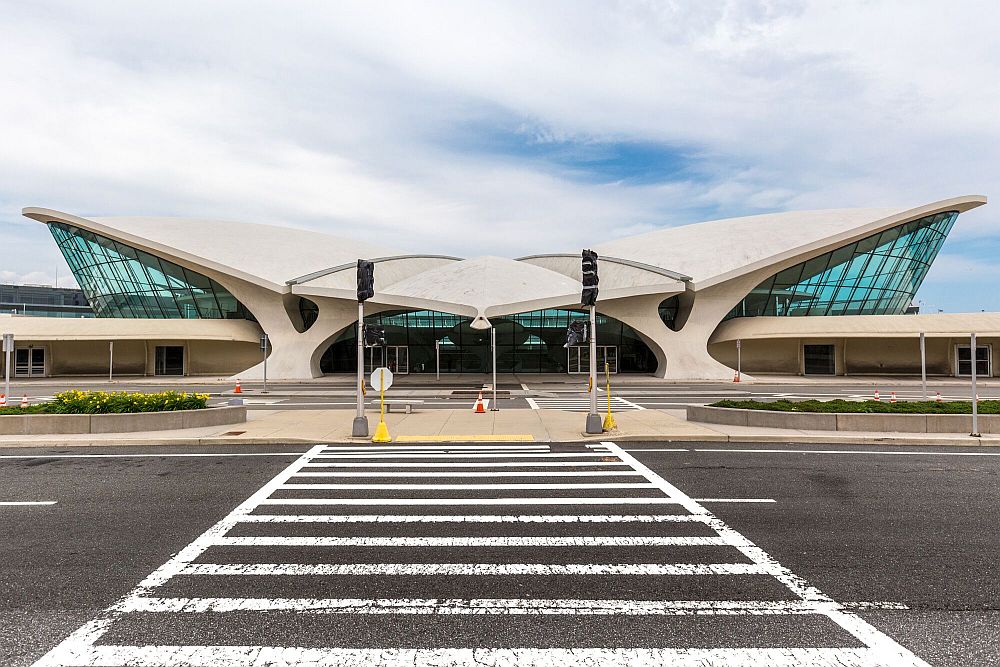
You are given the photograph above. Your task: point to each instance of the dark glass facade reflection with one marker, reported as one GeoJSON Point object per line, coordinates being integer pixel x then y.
{"type": "Point", "coordinates": [121, 281]}
{"type": "Point", "coordinates": [877, 275]}
{"type": "Point", "coordinates": [529, 342]}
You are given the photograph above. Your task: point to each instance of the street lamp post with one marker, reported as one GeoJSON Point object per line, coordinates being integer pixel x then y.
{"type": "Point", "coordinates": [975, 396]}
{"type": "Point", "coordinates": [493, 347]}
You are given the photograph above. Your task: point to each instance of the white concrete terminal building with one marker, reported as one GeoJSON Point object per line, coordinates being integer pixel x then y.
{"type": "Point", "coordinates": [807, 292]}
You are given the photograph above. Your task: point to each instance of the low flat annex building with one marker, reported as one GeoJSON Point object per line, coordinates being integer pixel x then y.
{"type": "Point", "coordinates": [806, 292]}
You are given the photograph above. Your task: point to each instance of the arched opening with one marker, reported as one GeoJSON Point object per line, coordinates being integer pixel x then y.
{"type": "Point", "coordinates": [531, 342]}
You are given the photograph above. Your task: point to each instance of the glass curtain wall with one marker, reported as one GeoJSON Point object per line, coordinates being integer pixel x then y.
{"type": "Point", "coordinates": [530, 342]}
{"type": "Point", "coordinates": [121, 281]}
{"type": "Point", "coordinates": [877, 275]}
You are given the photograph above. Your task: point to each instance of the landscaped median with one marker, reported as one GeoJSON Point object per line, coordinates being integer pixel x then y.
{"type": "Point", "coordinates": [843, 415]}
{"type": "Point", "coordinates": [116, 412]}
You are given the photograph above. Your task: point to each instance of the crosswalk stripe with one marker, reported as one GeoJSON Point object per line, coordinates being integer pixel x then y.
{"type": "Point", "coordinates": [472, 487]}
{"type": "Point", "coordinates": [472, 569]}
{"type": "Point", "coordinates": [471, 518]}
{"type": "Point", "coordinates": [471, 464]}
{"type": "Point", "coordinates": [558, 473]}
{"type": "Point", "coordinates": [477, 455]}
{"type": "Point", "coordinates": [552, 500]}
{"type": "Point", "coordinates": [643, 541]}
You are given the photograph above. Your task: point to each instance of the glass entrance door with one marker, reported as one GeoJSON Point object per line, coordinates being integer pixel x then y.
{"type": "Point", "coordinates": [394, 357]}
{"type": "Point", "coordinates": [29, 362]}
{"type": "Point", "coordinates": [169, 360]}
{"type": "Point", "coordinates": [819, 359]}
{"type": "Point", "coordinates": [963, 361]}
{"type": "Point", "coordinates": [578, 358]}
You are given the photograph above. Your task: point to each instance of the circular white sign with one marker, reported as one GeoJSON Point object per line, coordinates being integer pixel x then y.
{"type": "Point", "coordinates": [381, 375]}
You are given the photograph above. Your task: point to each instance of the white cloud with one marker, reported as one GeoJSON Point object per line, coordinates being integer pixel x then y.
{"type": "Point", "coordinates": [342, 116]}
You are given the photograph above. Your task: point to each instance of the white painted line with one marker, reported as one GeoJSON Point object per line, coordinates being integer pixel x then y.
{"type": "Point", "coordinates": [378, 449]}
{"type": "Point", "coordinates": [26, 502]}
{"type": "Point", "coordinates": [734, 500]}
{"type": "Point", "coordinates": [91, 632]}
{"type": "Point", "coordinates": [455, 456]}
{"type": "Point", "coordinates": [531, 403]}
{"type": "Point", "coordinates": [490, 606]}
{"type": "Point", "coordinates": [459, 487]}
{"type": "Point", "coordinates": [473, 518]}
{"type": "Point", "coordinates": [470, 501]}
{"type": "Point", "coordinates": [259, 656]}
{"type": "Point", "coordinates": [131, 456]}
{"type": "Point", "coordinates": [840, 451]}
{"type": "Point", "coordinates": [498, 464]}
{"type": "Point", "coordinates": [630, 404]}
{"type": "Point", "coordinates": [885, 648]}
{"type": "Point", "coordinates": [610, 541]}
{"type": "Point", "coordinates": [524, 387]}
{"type": "Point", "coordinates": [472, 569]}
{"type": "Point", "coordinates": [657, 449]}
{"type": "Point", "coordinates": [485, 473]}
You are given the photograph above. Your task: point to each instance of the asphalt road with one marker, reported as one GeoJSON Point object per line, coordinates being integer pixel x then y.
{"type": "Point", "coordinates": [905, 543]}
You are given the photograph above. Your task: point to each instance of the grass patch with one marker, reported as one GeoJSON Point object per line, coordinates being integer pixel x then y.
{"type": "Point", "coordinates": [840, 405]}
{"type": "Point", "coordinates": [75, 402]}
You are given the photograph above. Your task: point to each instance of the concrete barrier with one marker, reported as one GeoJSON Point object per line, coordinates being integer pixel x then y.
{"type": "Point", "coordinates": [877, 422]}
{"type": "Point", "coordinates": [121, 423]}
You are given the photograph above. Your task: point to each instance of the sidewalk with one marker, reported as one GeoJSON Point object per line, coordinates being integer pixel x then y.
{"type": "Point", "coordinates": [274, 427]}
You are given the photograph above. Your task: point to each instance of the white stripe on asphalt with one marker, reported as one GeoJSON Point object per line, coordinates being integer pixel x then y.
{"type": "Point", "coordinates": [473, 518]}
{"type": "Point", "coordinates": [629, 404]}
{"type": "Point", "coordinates": [258, 656]}
{"type": "Point", "coordinates": [470, 501]}
{"type": "Point", "coordinates": [734, 500]}
{"type": "Point", "coordinates": [373, 449]}
{"type": "Point", "coordinates": [476, 606]}
{"type": "Point", "coordinates": [485, 473]}
{"type": "Point", "coordinates": [472, 487]}
{"type": "Point", "coordinates": [130, 456]}
{"type": "Point", "coordinates": [498, 464]}
{"type": "Point", "coordinates": [26, 502]}
{"type": "Point", "coordinates": [531, 403]}
{"type": "Point", "coordinates": [838, 451]}
{"type": "Point", "coordinates": [280, 541]}
{"type": "Point", "coordinates": [454, 456]}
{"type": "Point", "coordinates": [472, 569]}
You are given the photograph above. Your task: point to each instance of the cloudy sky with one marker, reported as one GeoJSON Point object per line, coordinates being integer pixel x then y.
{"type": "Point", "coordinates": [500, 127]}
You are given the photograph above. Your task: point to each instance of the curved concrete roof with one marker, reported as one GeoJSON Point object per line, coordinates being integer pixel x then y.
{"type": "Point", "coordinates": [859, 326]}
{"type": "Point", "coordinates": [718, 250]}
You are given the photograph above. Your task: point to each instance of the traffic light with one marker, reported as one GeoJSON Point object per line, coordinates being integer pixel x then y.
{"type": "Point", "coordinates": [374, 335]}
{"type": "Point", "coordinates": [590, 280]}
{"type": "Point", "coordinates": [366, 279]}
{"type": "Point", "coordinates": [576, 333]}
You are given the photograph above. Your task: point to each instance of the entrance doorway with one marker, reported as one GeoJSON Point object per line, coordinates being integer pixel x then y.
{"type": "Point", "coordinates": [169, 360]}
{"type": "Point", "coordinates": [29, 362]}
{"type": "Point", "coordinates": [820, 359]}
{"type": "Point", "coordinates": [578, 358]}
{"type": "Point", "coordinates": [984, 360]}
{"type": "Point", "coordinates": [394, 357]}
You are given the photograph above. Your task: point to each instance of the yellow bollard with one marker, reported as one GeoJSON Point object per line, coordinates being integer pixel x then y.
{"type": "Point", "coordinates": [381, 431]}
{"type": "Point", "coordinates": [609, 421]}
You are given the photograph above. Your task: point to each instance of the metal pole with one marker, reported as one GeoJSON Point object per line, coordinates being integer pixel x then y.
{"type": "Point", "coordinates": [360, 427]}
{"type": "Point", "coordinates": [8, 349]}
{"type": "Point", "coordinates": [594, 424]}
{"type": "Point", "coordinates": [923, 365]}
{"type": "Point", "coordinates": [265, 362]}
{"type": "Point", "coordinates": [437, 356]}
{"type": "Point", "coordinates": [975, 407]}
{"type": "Point", "coordinates": [739, 359]}
{"type": "Point", "coordinates": [493, 346]}
{"type": "Point", "coordinates": [111, 361]}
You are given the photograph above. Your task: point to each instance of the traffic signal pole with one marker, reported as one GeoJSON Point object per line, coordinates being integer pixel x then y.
{"type": "Point", "coordinates": [360, 428]}
{"type": "Point", "coordinates": [594, 422]}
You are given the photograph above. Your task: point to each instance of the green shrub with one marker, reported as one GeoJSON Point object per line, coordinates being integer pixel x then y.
{"type": "Point", "coordinates": [841, 405]}
{"type": "Point", "coordinates": [103, 402]}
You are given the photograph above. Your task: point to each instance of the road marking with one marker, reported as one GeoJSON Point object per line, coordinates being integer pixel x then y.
{"type": "Point", "coordinates": [473, 487]}
{"type": "Point", "coordinates": [734, 500]}
{"type": "Point", "coordinates": [26, 502]}
{"type": "Point", "coordinates": [470, 464]}
{"type": "Point", "coordinates": [840, 451]}
{"type": "Point", "coordinates": [471, 569]}
{"type": "Point", "coordinates": [471, 501]}
{"type": "Point", "coordinates": [130, 456]}
{"type": "Point", "coordinates": [374, 449]}
{"type": "Point", "coordinates": [253, 656]}
{"type": "Point", "coordinates": [491, 606]}
{"type": "Point", "coordinates": [466, 473]}
{"type": "Point", "coordinates": [277, 541]}
{"type": "Point", "coordinates": [494, 437]}
{"type": "Point", "coordinates": [531, 403]}
{"type": "Point", "coordinates": [472, 518]}
{"type": "Point", "coordinates": [634, 406]}
{"type": "Point", "coordinates": [498, 455]}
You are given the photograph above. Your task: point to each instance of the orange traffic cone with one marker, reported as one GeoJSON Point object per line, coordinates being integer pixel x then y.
{"type": "Point", "coordinates": [977, 398]}
{"type": "Point", "coordinates": [479, 407]}
{"type": "Point", "coordinates": [736, 376]}
{"type": "Point", "coordinates": [892, 397]}
{"type": "Point", "coordinates": [24, 401]}
{"type": "Point", "coordinates": [3, 400]}
{"type": "Point", "coordinates": [876, 394]}
{"type": "Point", "coordinates": [938, 397]}
{"type": "Point", "coordinates": [238, 389]}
